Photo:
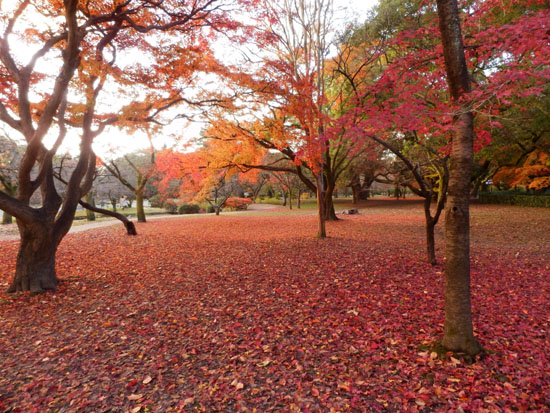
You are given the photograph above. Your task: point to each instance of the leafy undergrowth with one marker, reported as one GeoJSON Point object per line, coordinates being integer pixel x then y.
{"type": "Point", "coordinates": [254, 313]}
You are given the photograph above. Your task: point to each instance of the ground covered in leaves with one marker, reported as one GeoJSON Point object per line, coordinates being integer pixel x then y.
{"type": "Point", "coordinates": [252, 313]}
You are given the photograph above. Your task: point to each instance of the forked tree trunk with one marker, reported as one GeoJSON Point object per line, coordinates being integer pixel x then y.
{"type": "Point", "coordinates": [35, 266]}
{"type": "Point", "coordinates": [458, 330]}
{"type": "Point", "coordinates": [139, 207]}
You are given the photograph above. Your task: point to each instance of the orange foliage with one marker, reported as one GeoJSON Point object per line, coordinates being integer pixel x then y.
{"type": "Point", "coordinates": [533, 174]}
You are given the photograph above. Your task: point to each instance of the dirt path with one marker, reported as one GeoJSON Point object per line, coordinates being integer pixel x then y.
{"type": "Point", "coordinates": [9, 232]}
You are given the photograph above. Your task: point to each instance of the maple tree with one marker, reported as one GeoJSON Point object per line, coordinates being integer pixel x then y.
{"type": "Point", "coordinates": [398, 85]}
{"type": "Point", "coordinates": [287, 109]}
{"type": "Point", "coordinates": [142, 172]}
{"type": "Point", "coordinates": [83, 41]}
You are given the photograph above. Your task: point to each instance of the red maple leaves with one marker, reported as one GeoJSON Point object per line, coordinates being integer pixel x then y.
{"type": "Point", "coordinates": [253, 312]}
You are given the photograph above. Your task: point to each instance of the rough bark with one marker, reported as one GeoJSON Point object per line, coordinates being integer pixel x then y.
{"type": "Point", "coordinates": [458, 330]}
{"type": "Point", "coordinates": [35, 266]}
{"type": "Point", "coordinates": [139, 207]}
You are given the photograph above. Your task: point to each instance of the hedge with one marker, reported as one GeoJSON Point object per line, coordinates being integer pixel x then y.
{"type": "Point", "coordinates": [238, 203]}
{"type": "Point", "coordinates": [541, 201]}
{"type": "Point", "coordinates": [188, 209]}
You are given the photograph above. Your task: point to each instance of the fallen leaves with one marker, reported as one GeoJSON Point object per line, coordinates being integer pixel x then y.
{"type": "Point", "coordinates": [226, 313]}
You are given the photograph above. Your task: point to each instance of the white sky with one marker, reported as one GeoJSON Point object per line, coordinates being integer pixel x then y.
{"type": "Point", "coordinates": [114, 142]}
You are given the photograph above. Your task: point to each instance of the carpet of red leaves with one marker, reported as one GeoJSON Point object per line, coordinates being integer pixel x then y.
{"type": "Point", "coordinates": [252, 313]}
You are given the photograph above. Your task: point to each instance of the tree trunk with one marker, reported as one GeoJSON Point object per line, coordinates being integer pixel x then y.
{"type": "Point", "coordinates": [113, 204]}
{"type": "Point", "coordinates": [355, 191]}
{"type": "Point", "coordinates": [458, 330]}
{"type": "Point", "coordinates": [299, 200]}
{"type": "Point", "coordinates": [321, 233]}
{"type": "Point", "coordinates": [330, 213]}
{"type": "Point", "coordinates": [35, 266]}
{"type": "Point", "coordinates": [129, 225]}
{"type": "Point", "coordinates": [289, 199]}
{"type": "Point", "coordinates": [284, 198]}
{"type": "Point", "coordinates": [218, 208]}
{"type": "Point", "coordinates": [430, 232]}
{"type": "Point", "coordinates": [6, 218]}
{"type": "Point", "coordinates": [139, 207]}
{"type": "Point", "coordinates": [90, 215]}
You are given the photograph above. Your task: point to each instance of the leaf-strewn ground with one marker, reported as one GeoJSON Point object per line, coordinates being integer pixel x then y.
{"type": "Point", "coordinates": [236, 313]}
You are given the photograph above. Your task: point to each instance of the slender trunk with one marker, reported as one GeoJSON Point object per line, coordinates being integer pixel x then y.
{"type": "Point", "coordinates": [139, 207]}
{"type": "Point", "coordinates": [430, 231]}
{"type": "Point", "coordinates": [113, 204]}
{"type": "Point", "coordinates": [284, 198]}
{"type": "Point", "coordinates": [330, 213]}
{"type": "Point", "coordinates": [35, 266]}
{"type": "Point", "coordinates": [289, 199]}
{"type": "Point", "coordinates": [458, 330]}
{"type": "Point", "coordinates": [90, 215]}
{"type": "Point", "coordinates": [299, 200]}
{"type": "Point", "coordinates": [6, 218]}
{"type": "Point", "coordinates": [322, 233]}
{"type": "Point", "coordinates": [218, 208]}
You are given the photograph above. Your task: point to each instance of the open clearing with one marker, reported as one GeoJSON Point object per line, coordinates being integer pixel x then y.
{"type": "Point", "coordinates": [244, 312]}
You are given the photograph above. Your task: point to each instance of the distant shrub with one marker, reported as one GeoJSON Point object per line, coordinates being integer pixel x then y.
{"type": "Point", "coordinates": [210, 209]}
{"type": "Point", "coordinates": [238, 203]}
{"type": "Point", "coordinates": [171, 207]}
{"type": "Point", "coordinates": [155, 201]}
{"type": "Point", "coordinates": [188, 209]}
{"type": "Point", "coordinates": [508, 198]}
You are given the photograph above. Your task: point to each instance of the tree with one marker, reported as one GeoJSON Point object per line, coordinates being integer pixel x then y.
{"type": "Point", "coordinates": [199, 176]}
{"type": "Point", "coordinates": [142, 167]}
{"type": "Point", "coordinates": [84, 39]}
{"type": "Point", "coordinates": [458, 331]}
{"type": "Point", "coordinates": [10, 157]}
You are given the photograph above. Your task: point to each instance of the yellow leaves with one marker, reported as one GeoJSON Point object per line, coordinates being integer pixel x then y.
{"type": "Point", "coordinates": [135, 396]}
{"type": "Point", "coordinates": [237, 384]}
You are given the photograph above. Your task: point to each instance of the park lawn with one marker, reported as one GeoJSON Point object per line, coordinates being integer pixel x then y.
{"type": "Point", "coordinates": [237, 312]}
{"type": "Point", "coordinates": [131, 212]}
